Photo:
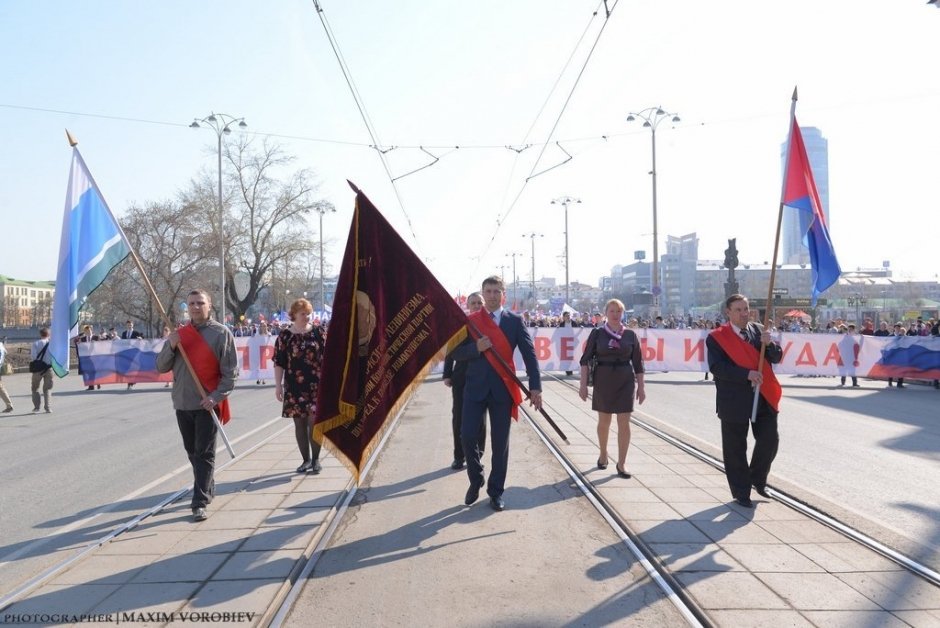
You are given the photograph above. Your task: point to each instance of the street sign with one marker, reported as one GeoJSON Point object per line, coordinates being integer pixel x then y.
{"type": "Point", "coordinates": [781, 291]}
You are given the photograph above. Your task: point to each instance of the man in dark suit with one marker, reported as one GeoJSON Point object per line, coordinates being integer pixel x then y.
{"type": "Point", "coordinates": [499, 333]}
{"type": "Point", "coordinates": [455, 377]}
{"type": "Point", "coordinates": [130, 333]}
{"type": "Point", "coordinates": [733, 352]}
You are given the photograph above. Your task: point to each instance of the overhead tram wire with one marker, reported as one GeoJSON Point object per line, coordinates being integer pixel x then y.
{"type": "Point", "coordinates": [525, 140]}
{"type": "Point", "coordinates": [608, 11]}
{"type": "Point", "coordinates": [362, 112]}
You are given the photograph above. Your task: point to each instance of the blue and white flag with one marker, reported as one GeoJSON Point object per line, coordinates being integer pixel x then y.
{"type": "Point", "coordinates": [92, 245]}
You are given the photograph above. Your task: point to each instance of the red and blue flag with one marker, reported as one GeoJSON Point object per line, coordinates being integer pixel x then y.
{"type": "Point", "coordinates": [799, 193]}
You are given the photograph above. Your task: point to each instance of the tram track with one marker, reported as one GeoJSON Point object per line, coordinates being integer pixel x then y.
{"type": "Point", "coordinates": [793, 502]}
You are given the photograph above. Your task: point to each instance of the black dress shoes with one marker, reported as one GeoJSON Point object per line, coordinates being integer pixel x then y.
{"type": "Point", "coordinates": [497, 504]}
{"type": "Point", "coordinates": [473, 493]}
{"type": "Point", "coordinates": [762, 491]}
{"type": "Point", "coordinates": [744, 502]}
{"type": "Point", "coordinates": [456, 465]}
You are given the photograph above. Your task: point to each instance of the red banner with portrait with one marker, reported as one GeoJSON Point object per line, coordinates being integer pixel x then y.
{"type": "Point", "coordinates": [392, 322]}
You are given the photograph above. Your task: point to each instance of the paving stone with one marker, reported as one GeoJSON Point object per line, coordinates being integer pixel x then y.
{"type": "Point", "coordinates": [856, 619]}
{"type": "Point", "coordinates": [730, 590]}
{"type": "Point", "coordinates": [280, 537]}
{"type": "Point", "coordinates": [60, 599]}
{"type": "Point", "coordinates": [811, 591]}
{"type": "Point", "coordinates": [211, 541]}
{"type": "Point", "coordinates": [845, 556]}
{"type": "Point", "coordinates": [894, 590]}
{"type": "Point", "coordinates": [752, 618]}
{"type": "Point", "coordinates": [272, 564]}
{"type": "Point", "coordinates": [182, 568]}
{"type": "Point", "coordinates": [105, 569]}
{"type": "Point", "coordinates": [694, 557]}
{"type": "Point", "coordinates": [162, 597]}
{"type": "Point", "coordinates": [675, 531]}
{"type": "Point", "coordinates": [735, 531]}
{"type": "Point", "coordinates": [771, 558]}
{"type": "Point", "coordinates": [803, 531]}
{"type": "Point", "coordinates": [150, 541]}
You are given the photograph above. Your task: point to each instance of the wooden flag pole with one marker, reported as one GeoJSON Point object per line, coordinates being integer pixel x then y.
{"type": "Point", "coordinates": [773, 265]}
{"type": "Point", "coordinates": [512, 373]}
{"type": "Point", "coordinates": [153, 294]}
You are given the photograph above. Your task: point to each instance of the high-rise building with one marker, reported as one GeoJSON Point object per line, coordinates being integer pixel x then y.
{"type": "Point", "coordinates": [678, 274]}
{"type": "Point", "coordinates": [817, 149]}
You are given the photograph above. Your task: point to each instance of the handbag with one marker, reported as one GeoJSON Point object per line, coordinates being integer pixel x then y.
{"type": "Point", "coordinates": [592, 361]}
{"type": "Point", "coordinates": [39, 365]}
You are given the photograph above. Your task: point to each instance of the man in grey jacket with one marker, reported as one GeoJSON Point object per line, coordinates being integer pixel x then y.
{"type": "Point", "coordinates": [211, 350]}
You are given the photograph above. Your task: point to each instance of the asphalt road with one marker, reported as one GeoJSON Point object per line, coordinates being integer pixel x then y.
{"type": "Point", "coordinates": [871, 455]}
{"type": "Point", "coordinates": [100, 458]}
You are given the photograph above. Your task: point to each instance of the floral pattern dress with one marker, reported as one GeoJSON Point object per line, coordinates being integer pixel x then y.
{"type": "Point", "coordinates": [301, 356]}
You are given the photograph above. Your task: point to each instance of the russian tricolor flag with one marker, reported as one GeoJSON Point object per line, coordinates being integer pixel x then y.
{"type": "Point", "coordinates": [799, 192]}
{"type": "Point", "coordinates": [92, 244]}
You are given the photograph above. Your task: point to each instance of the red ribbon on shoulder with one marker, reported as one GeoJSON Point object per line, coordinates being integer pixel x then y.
{"type": "Point", "coordinates": [205, 364]}
{"type": "Point", "coordinates": [488, 327]}
{"type": "Point", "coordinates": [746, 356]}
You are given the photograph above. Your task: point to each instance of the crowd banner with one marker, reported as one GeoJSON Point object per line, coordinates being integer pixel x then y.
{"type": "Point", "coordinates": [560, 348]}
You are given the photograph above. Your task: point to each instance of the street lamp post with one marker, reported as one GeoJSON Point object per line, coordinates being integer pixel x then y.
{"type": "Point", "coordinates": [564, 201]}
{"type": "Point", "coordinates": [323, 208]}
{"type": "Point", "coordinates": [221, 124]}
{"type": "Point", "coordinates": [651, 117]}
{"type": "Point", "coordinates": [533, 236]}
{"type": "Point", "coordinates": [515, 296]}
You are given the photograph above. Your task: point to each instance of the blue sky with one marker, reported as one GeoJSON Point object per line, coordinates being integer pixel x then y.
{"type": "Point", "coordinates": [128, 78]}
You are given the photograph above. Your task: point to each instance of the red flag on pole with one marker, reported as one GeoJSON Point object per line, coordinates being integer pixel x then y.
{"type": "Point", "coordinates": [392, 322]}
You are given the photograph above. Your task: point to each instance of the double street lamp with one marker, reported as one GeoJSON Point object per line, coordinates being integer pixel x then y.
{"type": "Point", "coordinates": [515, 296]}
{"type": "Point", "coordinates": [652, 116]}
{"type": "Point", "coordinates": [322, 208]}
{"type": "Point", "coordinates": [221, 123]}
{"type": "Point", "coordinates": [564, 201]}
{"type": "Point", "coordinates": [533, 236]}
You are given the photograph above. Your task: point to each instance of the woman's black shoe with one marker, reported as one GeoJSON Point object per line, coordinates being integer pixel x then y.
{"type": "Point", "coordinates": [601, 465]}
{"type": "Point", "coordinates": [623, 473]}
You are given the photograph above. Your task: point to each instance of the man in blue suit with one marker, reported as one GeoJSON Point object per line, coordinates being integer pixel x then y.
{"type": "Point", "coordinates": [489, 387]}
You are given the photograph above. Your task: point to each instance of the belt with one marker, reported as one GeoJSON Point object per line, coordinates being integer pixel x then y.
{"type": "Point", "coordinates": [612, 363]}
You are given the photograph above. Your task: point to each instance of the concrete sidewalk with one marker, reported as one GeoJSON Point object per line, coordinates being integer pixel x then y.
{"type": "Point", "coordinates": [409, 552]}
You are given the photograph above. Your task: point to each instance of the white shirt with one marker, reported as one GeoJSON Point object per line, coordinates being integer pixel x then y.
{"type": "Point", "coordinates": [496, 315]}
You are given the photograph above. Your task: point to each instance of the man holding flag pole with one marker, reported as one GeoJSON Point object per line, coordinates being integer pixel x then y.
{"type": "Point", "coordinates": [734, 362]}
{"type": "Point", "coordinates": [91, 246]}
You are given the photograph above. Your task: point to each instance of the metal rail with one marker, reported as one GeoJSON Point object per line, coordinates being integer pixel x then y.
{"type": "Point", "coordinates": [796, 504]}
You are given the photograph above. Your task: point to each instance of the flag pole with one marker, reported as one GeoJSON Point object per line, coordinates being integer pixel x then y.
{"type": "Point", "coordinates": [153, 293]}
{"type": "Point", "coordinates": [773, 265]}
{"type": "Point", "coordinates": [512, 373]}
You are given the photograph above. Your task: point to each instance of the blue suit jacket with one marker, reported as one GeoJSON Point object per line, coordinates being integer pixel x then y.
{"type": "Point", "coordinates": [482, 380]}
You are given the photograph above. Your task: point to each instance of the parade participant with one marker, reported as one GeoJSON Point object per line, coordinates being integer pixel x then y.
{"type": "Point", "coordinates": [130, 333]}
{"type": "Point", "coordinates": [298, 356]}
{"type": "Point", "coordinates": [490, 387]}
{"type": "Point", "coordinates": [455, 377]}
{"type": "Point", "coordinates": [733, 354]}
{"type": "Point", "coordinates": [86, 336]}
{"type": "Point", "coordinates": [4, 397]}
{"type": "Point", "coordinates": [618, 378]}
{"type": "Point", "coordinates": [40, 366]}
{"type": "Point", "coordinates": [210, 347]}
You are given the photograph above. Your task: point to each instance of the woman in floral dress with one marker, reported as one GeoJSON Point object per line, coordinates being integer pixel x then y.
{"type": "Point", "coordinates": [298, 355]}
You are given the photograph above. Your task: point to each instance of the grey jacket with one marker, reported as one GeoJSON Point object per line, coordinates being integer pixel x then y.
{"type": "Point", "coordinates": [185, 394]}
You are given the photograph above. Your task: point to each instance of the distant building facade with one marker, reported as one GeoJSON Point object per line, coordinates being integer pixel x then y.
{"type": "Point", "coordinates": [25, 303]}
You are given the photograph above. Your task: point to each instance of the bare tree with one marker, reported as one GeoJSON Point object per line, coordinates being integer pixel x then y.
{"type": "Point", "coordinates": [267, 225]}
{"type": "Point", "coordinates": [173, 251]}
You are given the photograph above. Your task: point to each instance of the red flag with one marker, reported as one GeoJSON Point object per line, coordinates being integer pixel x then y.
{"type": "Point", "coordinates": [392, 321]}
